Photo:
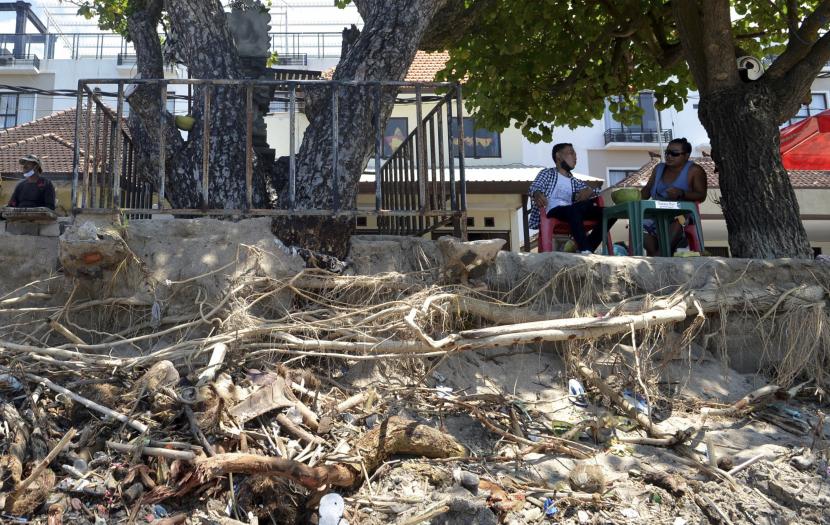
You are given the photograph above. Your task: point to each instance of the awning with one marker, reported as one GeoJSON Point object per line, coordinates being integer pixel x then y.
{"type": "Point", "coordinates": [806, 145]}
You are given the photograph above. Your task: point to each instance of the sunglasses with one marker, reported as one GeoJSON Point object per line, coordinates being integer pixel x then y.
{"type": "Point", "coordinates": [671, 153]}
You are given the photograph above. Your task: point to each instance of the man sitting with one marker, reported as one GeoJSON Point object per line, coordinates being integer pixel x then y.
{"type": "Point", "coordinates": [676, 179]}
{"type": "Point", "coordinates": [558, 194]}
{"type": "Point", "coordinates": [34, 191]}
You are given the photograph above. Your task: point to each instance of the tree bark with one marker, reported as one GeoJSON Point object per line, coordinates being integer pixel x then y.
{"type": "Point", "coordinates": [757, 197]}
{"type": "Point", "coordinates": [387, 44]}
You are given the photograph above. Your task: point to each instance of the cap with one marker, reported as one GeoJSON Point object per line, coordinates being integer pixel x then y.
{"type": "Point", "coordinates": [32, 158]}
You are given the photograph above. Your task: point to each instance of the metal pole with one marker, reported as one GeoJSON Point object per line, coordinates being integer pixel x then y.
{"type": "Point", "coordinates": [659, 129]}
{"type": "Point", "coordinates": [378, 146]}
{"type": "Point", "coordinates": [162, 145]}
{"type": "Point", "coordinates": [335, 136]}
{"type": "Point", "coordinates": [461, 178]}
{"type": "Point", "coordinates": [87, 149]}
{"type": "Point", "coordinates": [206, 145]}
{"type": "Point", "coordinates": [451, 159]}
{"type": "Point", "coordinates": [249, 146]}
{"type": "Point", "coordinates": [422, 152]}
{"type": "Point", "coordinates": [76, 154]}
{"type": "Point", "coordinates": [116, 156]}
{"type": "Point", "coordinates": [292, 145]}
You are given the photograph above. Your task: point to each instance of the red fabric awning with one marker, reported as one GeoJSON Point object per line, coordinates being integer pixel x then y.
{"type": "Point", "coordinates": [806, 145]}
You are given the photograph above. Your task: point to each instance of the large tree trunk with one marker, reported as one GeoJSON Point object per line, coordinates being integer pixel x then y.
{"type": "Point", "coordinates": [757, 198]}
{"type": "Point", "coordinates": [200, 38]}
{"type": "Point", "coordinates": [386, 47]}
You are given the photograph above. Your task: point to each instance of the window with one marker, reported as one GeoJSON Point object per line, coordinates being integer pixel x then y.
{"type": "Point", "coordinates": [16, 109]}
{"type": "Point", "coordinates": [818, 103]}
{"type": "Point", "coordinates": [615, 176]}
{"type": "Point", "coordinates": [489, 222]}
{"type": "Point", "coordinates": [478, 142]}
{"type": "Point", "coordinates": [648, 122]}
{"type": "Point", "coordinates": [471, 222]}
{"type": "Point", "coordinates": [361, 222]}
{"type": "Point", "coordinates": [397, 129]}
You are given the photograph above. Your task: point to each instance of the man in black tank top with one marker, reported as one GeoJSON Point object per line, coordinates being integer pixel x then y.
{"type": "Point", "coordinates": [677, 155]}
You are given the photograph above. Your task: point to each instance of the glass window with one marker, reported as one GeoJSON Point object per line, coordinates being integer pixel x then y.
{"type": "Point", "coordinates": [478, 142]}
{"type": "Point", "coordinates": [818, 103]}
{"type": "Point", "coordinates": [648, 122]}
{"type": "Point", "coordinates": [25, 109]}
{"type": "Point", "coordinates": [397, 129]}
{"type": "Point", "coordinates": [8, 110]}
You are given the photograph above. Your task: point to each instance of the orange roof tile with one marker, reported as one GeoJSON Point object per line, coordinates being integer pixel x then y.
{"type": "Point", "coordinates": [51, 138]}
{"type": "Point", "coordinates": [799, 178]}
{"type": "Point", "coordinates": [423, 68]}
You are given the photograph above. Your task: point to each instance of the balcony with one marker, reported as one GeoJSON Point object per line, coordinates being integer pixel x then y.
{"type": "Point", "coordinates": [20, 64]}
{"type": "Point", "coordinates": [627, 136]}
{"type": "Point", "coordinates": [74, 46]}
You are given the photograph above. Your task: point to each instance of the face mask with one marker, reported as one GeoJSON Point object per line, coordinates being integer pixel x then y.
{"type": "Point", "coordinates": [28, 174]}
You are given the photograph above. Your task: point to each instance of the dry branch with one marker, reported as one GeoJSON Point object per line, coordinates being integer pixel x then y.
{"type": "Point", "coordinates": [141, 427]}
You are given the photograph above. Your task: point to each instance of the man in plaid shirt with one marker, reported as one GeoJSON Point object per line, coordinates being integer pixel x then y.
{"type": "Point", "coordinates": [564, 197]}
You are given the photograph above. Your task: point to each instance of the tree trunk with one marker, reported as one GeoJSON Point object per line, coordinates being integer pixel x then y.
{"type": "Point", "coordinates": [757, 197]}
{"type": "Point", "coordinates": [386, 47]}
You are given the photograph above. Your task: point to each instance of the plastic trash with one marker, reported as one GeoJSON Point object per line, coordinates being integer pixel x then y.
{"type": "Point", "coordinates": [332, 507]}
{"type": "Point", "coordinates": [576, 393]}
{"type": "Point", "coordinates": [550, 507]}
{"type": "Point", "coordinates": [638, 401]}
{"type": "Point", "coordinates": [9, 382]}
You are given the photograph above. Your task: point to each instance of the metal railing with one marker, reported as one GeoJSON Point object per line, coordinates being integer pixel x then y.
{"type": "Point", "coordinates": [109, 178]}
{"type": "Point", "coordinates": [419, 174]}
{"type": "Point", "coordinates": [415, 190]}
{"type": "Point", "coordinates": [22, 60]}
{"type": "Point", "coordinates": [110, 45]}
{"type": "Point", "coordinates": [650, 136]}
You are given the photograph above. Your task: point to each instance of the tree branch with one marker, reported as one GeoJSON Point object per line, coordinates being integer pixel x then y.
{"type": "Point", "coordinates": [795, 84]}
{"type": "Point", "coordinates": [801, 41]}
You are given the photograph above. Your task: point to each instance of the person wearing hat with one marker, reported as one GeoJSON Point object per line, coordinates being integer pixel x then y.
{"type": "Point", "coordinates": [35, 190]}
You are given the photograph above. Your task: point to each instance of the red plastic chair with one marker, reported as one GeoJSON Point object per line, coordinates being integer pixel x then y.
{"type": "Point", "coordinates": [695, 244]}
{"type": "Point", "coordinates": [548, 228]}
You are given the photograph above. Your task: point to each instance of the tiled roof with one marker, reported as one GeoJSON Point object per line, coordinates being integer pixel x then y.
{"type": "Point", "coordinates": [426, 66]}
{"type": "Point", "coordinates": [423, 68]}
{"type": "Point", "coordinates": [799, 178]}
{"type": "Point", "coordinates": [51, 138]}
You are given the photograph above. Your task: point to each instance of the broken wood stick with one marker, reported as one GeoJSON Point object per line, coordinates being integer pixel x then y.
{"type": "Point", "coordinates": [746, 464]}
{"type": "Point", "coordinates": [352, 401]}
{"type": "Point", "coordinates": [92, 405]}
{"type": "Point", "coordinates": [752, 400]}
{"type": "Point", "coordinates": [57, 449]}
{"type": "Point", "coordinates": [197, 432]}
{"type": "Point", "coordinates": [217, 357]}
{"type": "Point", "coordinates": [66, 332]}
{"type": "Point", "coordinates": [296, 431]}
{"type": "Point", "coordinates": [630, 410]}
{"type": "Point", "coordinates": [61, 354]}
{"type": "Point", "coordinates": [183, 455]}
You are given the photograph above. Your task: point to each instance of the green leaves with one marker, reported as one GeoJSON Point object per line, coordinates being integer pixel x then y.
{"type": "Point", "coordinates": [112, 14]}
{"type": "Point", "coordinates": [555, 63]}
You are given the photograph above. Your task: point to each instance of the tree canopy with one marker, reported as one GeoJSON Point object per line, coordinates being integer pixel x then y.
{"type": "Point", "coordinates": [538, 65]}
{"type": "Point", "coordinates": [558, 64]}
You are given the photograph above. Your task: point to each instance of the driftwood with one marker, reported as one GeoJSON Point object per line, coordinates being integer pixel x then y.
{"type": "Point", "coordinates": [141, 427]}
{"type": "Point", "coordinates": [393, 436]}
{"type": "Point", "coordinates": [45, 462]}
